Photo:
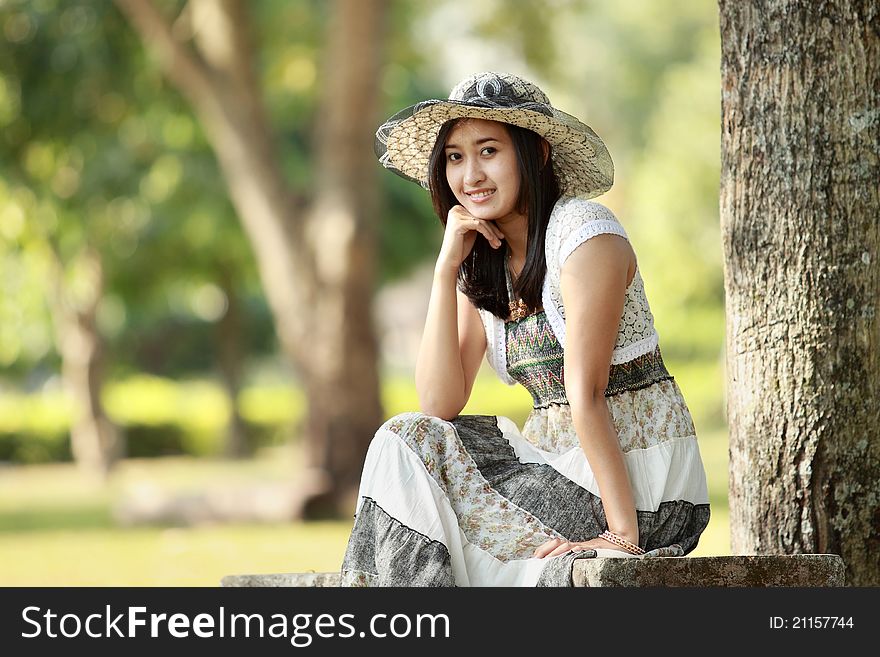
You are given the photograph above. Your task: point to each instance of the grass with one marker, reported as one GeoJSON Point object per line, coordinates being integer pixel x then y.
{"type": "Point", "coordinates": [168, 556]}
{"type": "Point", "coordinates": [57, 526]}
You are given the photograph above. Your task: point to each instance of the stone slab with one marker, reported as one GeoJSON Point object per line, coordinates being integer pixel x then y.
{"type": "Point", "coordinates": [273, 580]}
{"type": "Point", "coordinates": [808, 570]}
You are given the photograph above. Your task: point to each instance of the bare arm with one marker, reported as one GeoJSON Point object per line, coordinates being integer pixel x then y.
{"type": "Point", "coordinates": [452, 347]}
{"type": "Point", "coordinates": [594, 281]}
{"type": "Point", "coordinates": [453, 342]}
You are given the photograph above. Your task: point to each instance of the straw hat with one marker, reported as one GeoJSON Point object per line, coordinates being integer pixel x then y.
{"type": "Point", "coordinates": [581, 160]}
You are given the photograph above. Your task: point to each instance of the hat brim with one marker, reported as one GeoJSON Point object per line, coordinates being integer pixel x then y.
{"type": "Point", "coordinates": [581, 159]}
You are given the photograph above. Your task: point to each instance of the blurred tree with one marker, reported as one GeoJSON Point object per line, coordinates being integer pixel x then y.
{"type": "Point", "coordinates": [106, 215]}
{"type": "Point", "coordinates": [95, 440]}
{"type": "Point", "coordinates": [799, 206]}
{"type": "Point", "coordinates": [316, 261]}
{"type": "Point", "coordinates": [58, 227]}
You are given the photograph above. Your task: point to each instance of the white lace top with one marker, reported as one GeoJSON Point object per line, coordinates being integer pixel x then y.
{"type": "Point", "coordinates": [572, 222]}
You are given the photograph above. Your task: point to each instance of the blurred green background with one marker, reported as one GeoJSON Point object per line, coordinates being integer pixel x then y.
{"type": "Point", "coordinates": [104, 162]}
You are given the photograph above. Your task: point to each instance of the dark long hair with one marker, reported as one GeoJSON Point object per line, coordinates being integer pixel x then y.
{"type": "Point", "coordinates": [481, 274]}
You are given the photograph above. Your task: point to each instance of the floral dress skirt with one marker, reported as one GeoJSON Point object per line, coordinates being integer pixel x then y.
{"type": "Point", "coordinates": [465, 502]}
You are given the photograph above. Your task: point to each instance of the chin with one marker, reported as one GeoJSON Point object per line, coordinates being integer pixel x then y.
{"type": "Point", "coordinates": [483, 213]}
{"type": "Point", "coordinates": [486, 214]}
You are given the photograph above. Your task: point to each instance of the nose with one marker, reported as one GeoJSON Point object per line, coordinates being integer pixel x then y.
{"type": "Point", "coordinates": [473, 173]}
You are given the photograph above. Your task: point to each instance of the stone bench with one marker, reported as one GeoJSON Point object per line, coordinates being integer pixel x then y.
{"type": "Point", "coordinates": [808, 570]}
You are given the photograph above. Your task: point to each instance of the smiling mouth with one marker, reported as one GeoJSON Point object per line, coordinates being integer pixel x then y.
{"type": "Point", "coordinates": [479, 196]}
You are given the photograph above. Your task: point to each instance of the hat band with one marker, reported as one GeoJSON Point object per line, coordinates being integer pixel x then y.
{"type": "Point", "coordinates": [494, 102]}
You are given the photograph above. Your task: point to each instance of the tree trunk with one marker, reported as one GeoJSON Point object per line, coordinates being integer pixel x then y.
{"type": "Point", "coordinates": [94, 440]}
{"type": "Point", "coordinates": [799, 214]}
{"type": "Point", "coordinates": [344, 404]}
{"type": "Point", "coordinates": [315, 267]}
{"type": "Point", "coordinates": [231, 361]}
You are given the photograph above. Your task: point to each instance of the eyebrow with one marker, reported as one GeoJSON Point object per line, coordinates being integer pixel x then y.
{"type": "Point", "coordinates": [482, 140]}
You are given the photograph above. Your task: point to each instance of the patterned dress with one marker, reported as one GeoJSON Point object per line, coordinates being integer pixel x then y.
{"type": "Point", "coordinates": [466, 502]}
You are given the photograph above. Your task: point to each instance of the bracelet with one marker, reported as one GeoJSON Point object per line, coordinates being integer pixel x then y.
{"type": "Point", "coordinates": [611, 537]}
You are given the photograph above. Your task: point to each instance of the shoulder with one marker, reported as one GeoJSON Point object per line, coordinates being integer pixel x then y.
{"type": "Point", "coordinates": [594, 257]}
{"type": "Point", "coordinates": [575, 211]}
{"type": "Point", "coordinates": [605, 254]}
{"type": "Point", "coordinates": [574, 221]}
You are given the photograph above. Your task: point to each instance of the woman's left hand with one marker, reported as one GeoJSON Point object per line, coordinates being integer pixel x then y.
{"type": "Point", "coordinates": [557, 546]}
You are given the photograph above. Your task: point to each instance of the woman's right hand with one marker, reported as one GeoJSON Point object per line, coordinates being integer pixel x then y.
{"type": "Point", "coordinates": [461, 233]}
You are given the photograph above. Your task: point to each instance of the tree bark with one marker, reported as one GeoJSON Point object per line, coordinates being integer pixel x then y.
{"type": "Point", "coordinates": [799, 214]}
{"type": "Point", "coordinates": [316, 266]}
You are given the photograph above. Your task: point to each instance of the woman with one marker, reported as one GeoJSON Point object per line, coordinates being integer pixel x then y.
{"type": "Point", "coordinates": [545, 283]}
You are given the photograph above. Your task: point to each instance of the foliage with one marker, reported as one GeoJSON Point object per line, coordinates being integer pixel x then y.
{"type": "Point", "coordinates": [123, 169]}
{"type": "Point", "coordinates": [127, 168]}
{"type": "Point", "coordinates": [162, 417]}
{"type": "Point", "coordinates": [157, 416]}
{"type": "Point", "coordinates": [675, 205]}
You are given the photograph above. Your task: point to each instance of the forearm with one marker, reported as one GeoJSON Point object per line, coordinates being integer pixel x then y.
{"type": "Point", "coordinates": [439, 373]}
{"type": "Point", "coordinates": [599, 440]}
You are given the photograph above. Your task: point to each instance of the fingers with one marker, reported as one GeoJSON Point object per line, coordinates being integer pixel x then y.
{"type": "Point", "coordinates": [491, 235]}
{"type": "Point", "coordinates": [552, 547]}
{"type": "Point", "coordinates": [468, 222]}
{"type": "Point", "coordinates": [485, 228]}
{"type": "Point", "coordinates": [557, 546]}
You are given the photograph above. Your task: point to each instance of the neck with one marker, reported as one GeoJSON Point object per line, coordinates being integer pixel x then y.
{"type": "Point", "coordinates": [514, 265]}
{"type": "Point", "coordinates": [516, 235]}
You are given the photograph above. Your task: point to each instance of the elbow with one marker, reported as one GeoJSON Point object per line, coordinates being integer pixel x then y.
{"type": "Point", "coordinates": [588, 394]}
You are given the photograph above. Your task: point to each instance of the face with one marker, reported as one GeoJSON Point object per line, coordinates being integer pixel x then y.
{"type": "Point", "coordinates": [482, 169]}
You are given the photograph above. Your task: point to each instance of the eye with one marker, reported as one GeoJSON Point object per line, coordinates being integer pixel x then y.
{"type": "Point", "coordinates": [453, 157]}
{"type": "Point", "coordinates": [488, 150]}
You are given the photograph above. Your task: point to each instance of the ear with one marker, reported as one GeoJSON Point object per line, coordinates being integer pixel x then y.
{"type": "Point", "coordinates": [545, 147]}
